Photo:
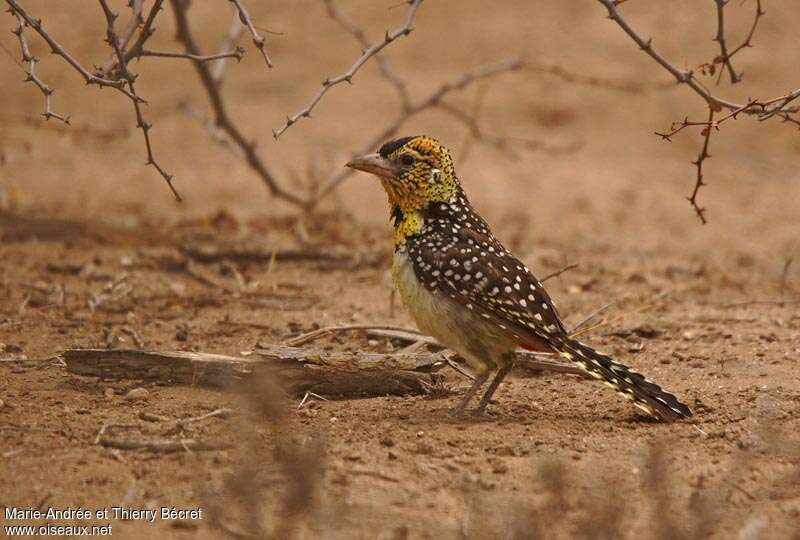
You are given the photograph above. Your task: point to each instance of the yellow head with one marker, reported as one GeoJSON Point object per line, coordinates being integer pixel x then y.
{"type": "Point", "coordinates": [415, 172]}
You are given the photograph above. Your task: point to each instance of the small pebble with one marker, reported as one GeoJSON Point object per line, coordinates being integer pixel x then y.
{"type": "Point", "coordinates": [109, 393]}
{"type": "Point", "coordinates": [137, 394]}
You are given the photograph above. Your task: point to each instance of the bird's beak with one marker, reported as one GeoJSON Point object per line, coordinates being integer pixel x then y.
{"type": "Point", "coordinates": [375, 164]}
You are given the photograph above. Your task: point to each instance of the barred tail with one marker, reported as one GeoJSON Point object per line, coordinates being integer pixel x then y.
{"type": "Point", "coordinates": [646, 395]}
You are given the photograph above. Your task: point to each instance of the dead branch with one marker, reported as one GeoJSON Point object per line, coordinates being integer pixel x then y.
{"type": "Point", "coordinates": [56, 48]}
{"type": "Point", "coordinates": [238, 53]}
{"type": "Point", "coordinates": [122, 68]}
{"type": "Point", "coordinates": [701, 157]}
{"type": "Point", "coordinates": [762, 109]}
{"type": "Point", "coordinates": [383, 64]}
{"type": "Point", "coordinates": [222, 119]}
{"type": "Point", "coordinates": [340, 374]}
{"type": "Point", "coordinates": [258, 41]}
{"type": "Point", "coordinates": [559, 272]}
{"type": "Point", "coordinates": [347, 76]}
{"type": "Point", "coordinates": [134, 23]}
{"type": "Point", "coordinates": [724, 55]}
{"type": "Point", "coordinates": [30, 68]}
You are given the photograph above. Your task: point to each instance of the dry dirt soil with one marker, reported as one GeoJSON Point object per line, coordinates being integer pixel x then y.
{"type": "Point", "coordinates": [95, 253]}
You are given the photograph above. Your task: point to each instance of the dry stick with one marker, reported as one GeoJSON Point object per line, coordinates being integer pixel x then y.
{"type": "Point", "coordinates": [56, 48]}
{"type": "Point", "coordinates": [348, 75]}
{"type": "Point", "coordinates": [222, 120]}
{"type": "Point", "coordinates": [127, 76]}
{"type": "Point", "coordinates": [258, 41]}
{"type": "Point", "coordinates": [701, 212]}
{"type": "Point", "coordinates": [559, 272]}
{"type": "Point", "coordinates": [302, 339]}
{"type": "Point", "coordinates": [432, 100]}
{"type": "Point", "coordinates": [724, 57]}
{"type": "Point", "coordinates": [30, 68]}
{"type": "Point", "coordinates": [238, 54]}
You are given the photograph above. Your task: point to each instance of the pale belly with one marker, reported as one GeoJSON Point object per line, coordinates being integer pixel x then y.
{"type": "Point", "coordinates": [479, 341]}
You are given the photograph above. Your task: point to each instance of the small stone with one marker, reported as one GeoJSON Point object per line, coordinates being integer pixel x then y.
{"type": "Point", "coordinates": [392, 456]}
{"type": "Point", "coordinates": [137, 394]}
{"type": "Point", "coordinates": [386, 441]}
{"type": "Point", "coordinates": [109, 393]}
{"type": "Point", "coordinates": [2, 404]}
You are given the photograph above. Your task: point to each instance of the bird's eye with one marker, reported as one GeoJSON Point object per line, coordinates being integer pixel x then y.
{"type": "Point", "coordinates": [407, 160]}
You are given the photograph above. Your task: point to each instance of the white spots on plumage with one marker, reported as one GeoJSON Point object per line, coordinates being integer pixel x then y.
{"type": "Point", "coordinates": [545, 306]}
{"type": "Point", "coordinates": [538, 317]}
{"type": "Point", "coordinates": [516, 286]}
{"type": "Point", "coordinates": [507, 289]}
{"type": "Point", "coordinates": [523, 303]}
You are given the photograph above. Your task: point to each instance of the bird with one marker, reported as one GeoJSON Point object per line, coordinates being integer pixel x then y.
{"type": "Point", "coordinates": [465, 289]}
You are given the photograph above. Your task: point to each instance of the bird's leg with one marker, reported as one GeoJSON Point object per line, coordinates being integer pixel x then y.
{"type": "Point", "coordinates": [479, 380]}
{"type": "Point", "coordinates": [498, 378]}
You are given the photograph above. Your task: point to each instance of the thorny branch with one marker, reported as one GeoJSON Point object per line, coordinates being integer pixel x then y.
{"type": "Point", "coordinates": [258, 40]}
{"type": "Point", "coordinates": [762, 109]}
{"type": "Point", "coordinates": [725, 56]}
{"type": "Point", "coordinates": [30, 69]}
{"type": "Point", "coordinates": [347, 76]}
{"type": "Point", "coordinates": [128, 77]}
{"type": "Point", "coordinates": [56, 48]}
{"type": "Point", "coordinates": [704, 155]}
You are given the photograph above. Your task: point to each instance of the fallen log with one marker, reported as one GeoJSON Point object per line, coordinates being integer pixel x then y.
{"type": "Point", "coordinates": [333, 374]}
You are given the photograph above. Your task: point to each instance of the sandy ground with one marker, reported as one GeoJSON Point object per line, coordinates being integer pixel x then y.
{"type": "Point", "coordinates": [710, 312]}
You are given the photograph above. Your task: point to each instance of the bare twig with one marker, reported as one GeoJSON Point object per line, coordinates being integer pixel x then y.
{"type": "Point", "coordinates": [30, 69]}
{"type": "Point", "coordinates": [762, 109]}
{"type": "Point", "coordinates": [302, 339]}
{"type": "Point", "coordinates": [701, 157]}
{"type": "Point", "coordinates": [144, 34]}
{"type": "Point", "coordinates": [237, 53]}
{"type": "Point", "coordinates": [134, 23]}
{"type": "Point", "coordinates": [56, 48]}
{"type": "Point", "coordinates": [383, 64]}
{"type": "Point", "coordinates": [559, 272]}
{"type": "Point", "coordinates": [347, 76]}
{"type": "Point", "coordinates": [128, 77]}
{"type": "Point", "coordinates": [724, 55]}
{"type": "Point", "coordinates": [222, 120]}
{"type": "Point", "coordinates": [258, 40]}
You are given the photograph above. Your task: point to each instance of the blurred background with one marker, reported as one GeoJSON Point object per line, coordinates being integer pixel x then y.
{"type": "Point", "coordinates": [613, 180]}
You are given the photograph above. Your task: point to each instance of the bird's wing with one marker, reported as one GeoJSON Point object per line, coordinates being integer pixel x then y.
{"type": "Point", "coordinates": [476, 271]}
